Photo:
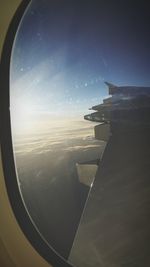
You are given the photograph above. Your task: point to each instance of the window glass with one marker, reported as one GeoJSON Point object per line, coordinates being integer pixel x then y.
{"type": "Point", "coordinates": [63, 53]}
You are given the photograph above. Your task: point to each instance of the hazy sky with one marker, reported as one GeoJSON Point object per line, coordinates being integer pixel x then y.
{"type": "Point", "coordinates": [66, 49]}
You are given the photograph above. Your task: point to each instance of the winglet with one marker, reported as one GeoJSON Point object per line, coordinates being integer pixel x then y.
{"type": "Point", "coordinates": [112, 87]}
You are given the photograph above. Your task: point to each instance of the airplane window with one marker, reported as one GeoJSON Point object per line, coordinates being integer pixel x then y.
{"type": "Point", "coordinates": [63, 54]}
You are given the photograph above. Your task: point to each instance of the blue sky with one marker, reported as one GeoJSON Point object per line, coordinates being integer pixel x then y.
{"type": "Point", "coordinates": [65, 50]}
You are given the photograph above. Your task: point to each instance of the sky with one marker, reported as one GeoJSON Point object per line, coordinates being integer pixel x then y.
{"type": "Point", "coordinates": [65, 49]}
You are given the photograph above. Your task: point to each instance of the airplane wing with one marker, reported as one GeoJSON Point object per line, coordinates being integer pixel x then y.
{"type": "Point", "coordinates": [116, 218]}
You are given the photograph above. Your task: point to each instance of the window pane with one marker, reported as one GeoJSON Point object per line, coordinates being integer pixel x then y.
{"type": "Point", "coordinates": [92, 210]}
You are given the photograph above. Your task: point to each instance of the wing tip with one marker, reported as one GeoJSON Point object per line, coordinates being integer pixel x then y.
{"type": "Point", "coordinates": [110, 85]}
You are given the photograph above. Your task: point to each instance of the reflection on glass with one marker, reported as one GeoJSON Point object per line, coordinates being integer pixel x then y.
{"type": "Point", "coordinates": [62, 54]}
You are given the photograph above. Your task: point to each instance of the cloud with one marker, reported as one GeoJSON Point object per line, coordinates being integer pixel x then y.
{"type": "Point", "coordinates": [82, 147]}
{"type": "Point", "coordinates": [65, 135]}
